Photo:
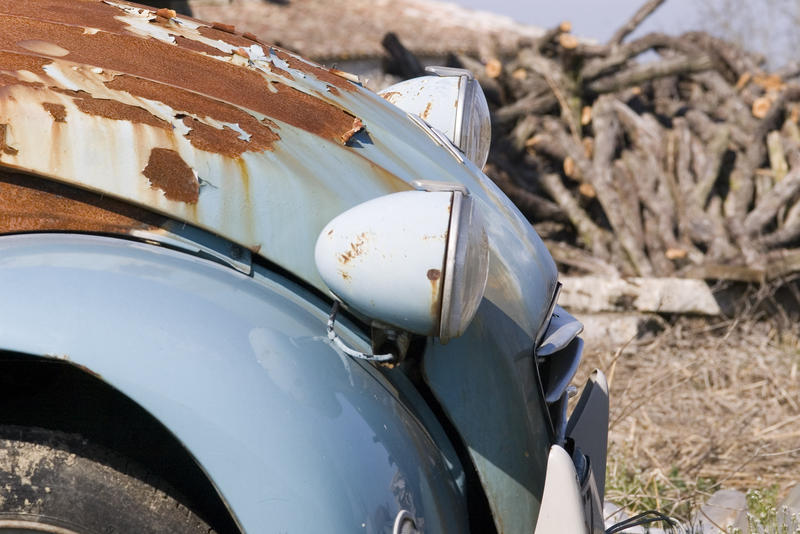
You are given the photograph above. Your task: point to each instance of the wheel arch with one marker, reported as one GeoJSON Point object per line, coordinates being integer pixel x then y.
{"type": "Point", "coordinates": [293, 434]}
{"type": "Point", "coordinates": [60, 396]}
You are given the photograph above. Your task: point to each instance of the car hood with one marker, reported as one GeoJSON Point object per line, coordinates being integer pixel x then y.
{"type": "Point", "coordinates": [218, 129]}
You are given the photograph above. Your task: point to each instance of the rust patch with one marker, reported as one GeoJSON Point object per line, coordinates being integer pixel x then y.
{"type": "Point", "coordinates": [34, 204]}
{"type": "Point", "coordinates": [287, 104]}
{"type": "Point", "coordinates": [225, 33]}
{"type": "Point", "coordinates": [112, 109]}
{"type": "Point", "coordinates": [436, 304]}
{"type": "Point", "coordinates": [197, 46]}
{"type": "Point", "coordinates": [172, 68]}
{"type": "Point", "coordinates": [14, 62]}
{"type": "Point", "coordinates": [81, 13]}
{"type": "Point", "coordinates": [357, 126]}
{"type": "Point", "coordinates": [210, 139]}
{"type": "Point", "coordinates": [4, 146]}
{"type": "Point", "coordinates": [356, 249]}
{"type": "Point", "coordinates": [391, 96]}
{"type": "Point", "coordinates": [426, 111]}
{"type": "Point", "coordinates": [345, 275]}
{"type": "Point", "coordinates": [166, 13]}
{"type": "Point", "coordinates": [167, 171]}
{"type": "Point", "coordinates": [434, 274]}
{"type": "Point", "coordinates": [7, 80]}
{"type": "Point", "coordinates": [280, 72]}
{"type": "Point", "coordinates": [262, 136]}
{"type": "Point", "coordinates": [271, 124]}
{"type": "Point", "coordinates": [253, 37]}
{"type": "Point", "coordinates": [228, 28]}
{"type": "Point", "coordinates": [332, 90]}
{"type": "Point", "coordinates": [320, 73]}
{"type": "Point", "coordinates": [57, 111]}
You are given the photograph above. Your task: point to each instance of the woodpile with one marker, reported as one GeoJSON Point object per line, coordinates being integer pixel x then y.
{"type": "Point", "coordinates": [684, 162]}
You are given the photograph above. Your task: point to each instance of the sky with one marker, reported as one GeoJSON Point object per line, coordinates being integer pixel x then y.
{"type": "Point", "coordinates": [771, 27]}
{"type": "Point", "coordinates": [597, 19]}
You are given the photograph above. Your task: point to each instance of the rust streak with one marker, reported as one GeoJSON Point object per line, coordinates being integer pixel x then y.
{"type": "Point", "coordinates": [434, 275]}
{"type": "Point", "coordinates": [167, 171]}
{"type": "Point", "coordinates": [34, 204]}
{"type": "Point", "coordinates": [57, 111]}
{"type": "Point", "coordinates": [427, 111]}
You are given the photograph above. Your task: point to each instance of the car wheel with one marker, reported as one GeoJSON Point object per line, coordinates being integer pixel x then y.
{"type": "Point", "coordinates": [57, 483]}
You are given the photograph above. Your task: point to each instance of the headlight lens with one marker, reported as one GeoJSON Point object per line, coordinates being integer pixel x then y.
{"type": "Point", "coordinates": [466, 267]}
{"type": "Point", "coordinates": [451, 102]}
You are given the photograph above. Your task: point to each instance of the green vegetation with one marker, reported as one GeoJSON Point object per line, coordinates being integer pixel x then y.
{"type": "Point", "coordinates": [680, 498]}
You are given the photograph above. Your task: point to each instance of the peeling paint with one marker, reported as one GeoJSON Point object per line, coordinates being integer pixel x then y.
{"type": "Point", "coordinates": [57, 111]}
{"type": "Point", "coordinates": [166, 13]}
{"type": "Point", "coordinates": [45, 48]}
{"type": "Point", "coordinates": [5, 148]}
{"type": "Point", "coordinates": [167, 171]}
{"type": "Point", "coordinates": [112, 109]}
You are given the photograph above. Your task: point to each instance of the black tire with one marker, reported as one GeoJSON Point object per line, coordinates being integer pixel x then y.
{"type": "Point", "coordinates": [56, 482]}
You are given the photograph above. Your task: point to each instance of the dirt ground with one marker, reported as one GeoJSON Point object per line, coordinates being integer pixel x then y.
{"type": "Point", "coordinates": [701, 406]}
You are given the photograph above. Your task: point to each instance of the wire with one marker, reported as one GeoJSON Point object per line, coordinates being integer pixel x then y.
{"type": "Point", "coordinates": [645, 518]}
{"type": "Point", "coordinates": [347, 350]}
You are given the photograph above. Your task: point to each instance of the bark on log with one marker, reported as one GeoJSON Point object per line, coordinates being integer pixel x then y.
{"type": "Point", "coordinates": [641, 14]}
{"type": "Point", "coordinates": [649, 71]}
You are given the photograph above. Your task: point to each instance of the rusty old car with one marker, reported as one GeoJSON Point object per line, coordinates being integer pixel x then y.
{"type": "Point", "coordinates": [243, 293]}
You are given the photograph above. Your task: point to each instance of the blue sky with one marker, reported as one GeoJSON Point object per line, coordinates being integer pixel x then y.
{"type": "Point", "coordinates": [771, 27]}
{"type": "Point", "coordinates": [590, 18]}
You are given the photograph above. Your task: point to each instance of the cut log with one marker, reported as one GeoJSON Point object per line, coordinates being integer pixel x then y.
{"type": "Point", "coordinates": [659, 295]}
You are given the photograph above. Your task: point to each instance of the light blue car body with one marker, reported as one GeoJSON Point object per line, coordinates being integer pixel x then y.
{"type": "Point", "coordinates": [296, 436]}
{"type": "Point", "coordinates": [232, 357]}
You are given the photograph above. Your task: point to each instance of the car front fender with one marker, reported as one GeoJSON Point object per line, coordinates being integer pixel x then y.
{"type": "Point", "coordinates": [295, 436]}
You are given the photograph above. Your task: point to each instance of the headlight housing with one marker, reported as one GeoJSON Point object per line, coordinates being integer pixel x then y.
{"type": "Point", "coordinates": [453, 103]}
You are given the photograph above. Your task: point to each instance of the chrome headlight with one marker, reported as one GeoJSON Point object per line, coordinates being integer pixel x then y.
{"type": "Point", "coordinates": [451, 102]}
{"type": "Point", "coordinates": [417, 260]}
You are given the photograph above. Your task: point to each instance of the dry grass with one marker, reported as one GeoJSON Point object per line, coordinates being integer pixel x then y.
{"type": "Point", "coordinates": [701, 407]}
